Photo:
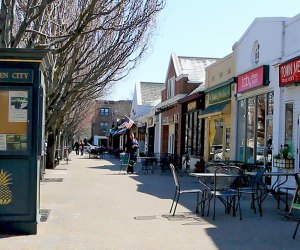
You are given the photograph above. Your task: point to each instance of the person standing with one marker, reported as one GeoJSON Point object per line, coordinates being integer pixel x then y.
{"type": "Point", "coordinates": [76, 145]}
{"type": "Point", "coordinates": [132, 146]}
{"type": "Point", "coordinates": [81, 146]}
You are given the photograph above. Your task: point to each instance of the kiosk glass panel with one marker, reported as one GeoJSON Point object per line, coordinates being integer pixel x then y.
{"type": "Point", "coordinates": [14, 120]}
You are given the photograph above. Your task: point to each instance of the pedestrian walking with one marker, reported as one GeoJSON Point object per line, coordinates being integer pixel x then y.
{"type": "Point", "coordinates": [132, 146]}
{"type": "Point", "coordinates": [76, 145]}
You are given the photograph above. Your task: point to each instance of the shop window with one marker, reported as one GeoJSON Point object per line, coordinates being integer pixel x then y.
{"type": "Point", "coordinates": [193, 129]}
{"type": "Point", "coordinates": [269, 137]}
{"type": "Point", "coordinates": [216, 139]}
{"type": "Point", "coordinates": [260, 128]}
{"type": "Point", "coordinates": [255, 128]}
{"type": "Point", "coordinates": [186, 133]}
{"type": "Point", "coordinates": [270, 103]}
{"type": "Point", "coordinates": [250, 134]}
{"type": "Point", "coordinates": [241, 130]}
{"type": "Point", "coordinates": [289, 110]}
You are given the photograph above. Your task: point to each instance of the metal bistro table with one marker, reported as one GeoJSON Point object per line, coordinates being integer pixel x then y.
{"type": "Point", "coordinates": [147, 164]}
{"type": "Point", "coordinates": [206, 180]}
{"type": "Point", "coordinates": [275, 187]}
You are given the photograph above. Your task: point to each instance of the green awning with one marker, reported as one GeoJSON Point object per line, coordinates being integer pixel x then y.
{"type": "Point", "coordinates": [212, 110]}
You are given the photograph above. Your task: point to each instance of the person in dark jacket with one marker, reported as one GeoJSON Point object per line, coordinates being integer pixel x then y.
{"type": "Point", "coordinates": [76, 145]}
{"type": "Point", "coordinates": [132, 146]}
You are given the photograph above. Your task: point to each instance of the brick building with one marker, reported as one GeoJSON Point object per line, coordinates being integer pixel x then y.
{"type": "Point", "coordinates": [108, 114]}
{"type": "Point", "coordinates": [184, 75]}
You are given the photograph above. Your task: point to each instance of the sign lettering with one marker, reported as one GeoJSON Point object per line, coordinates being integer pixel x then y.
{"type": "Point", "coordinates": [219, 95]}
{"type": "Point", "coordinates": [289, 72]}
{"type": "Point", "coordinates": [251, 79]}
{"type": "Point", "coordinates": [16, 75]}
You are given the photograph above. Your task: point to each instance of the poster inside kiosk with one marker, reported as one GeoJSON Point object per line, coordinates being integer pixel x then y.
{"type": "Point", "coordinates": [14, 120]}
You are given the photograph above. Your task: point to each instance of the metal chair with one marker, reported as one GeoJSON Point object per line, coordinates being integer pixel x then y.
{"type": "Point", "coordinates": [124, 160]}
{"type": "Point", "coordinates": [255, 189]}
{"type": "Point", "coordinates": [179, 191]}
{"type": "Point", "coordinates": [297, 196]}
{"type": "Point", "coordinates": [225, 186]}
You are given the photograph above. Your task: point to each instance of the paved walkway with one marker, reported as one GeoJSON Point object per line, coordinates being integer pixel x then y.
{"type": "Point", "coordinates": [95, 207]}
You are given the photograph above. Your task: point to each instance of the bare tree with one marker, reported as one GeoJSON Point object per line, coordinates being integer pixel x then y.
{"type": "Point", "coordinates": [94, 44]}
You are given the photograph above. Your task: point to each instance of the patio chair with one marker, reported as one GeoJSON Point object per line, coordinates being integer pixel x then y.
{"type": "Point", "coordinates": [255, 189]}
{"type": "Point", "coordinates": [164, 164]}
{"type": "Point", "coordinates": [297, 179]}
{"type": "Point", "coordinates": [225, 186]}
{"type": "Point", "coordinates": [124, 160]}
{"type": "Point", "coordinates": [179, 191]}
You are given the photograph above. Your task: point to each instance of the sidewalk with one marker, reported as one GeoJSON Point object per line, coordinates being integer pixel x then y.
{"type": "Point", "coordinates": [92, 206]}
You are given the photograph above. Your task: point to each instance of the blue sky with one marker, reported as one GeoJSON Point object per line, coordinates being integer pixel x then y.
{"type": "Point", "coordinates": [205, 28]}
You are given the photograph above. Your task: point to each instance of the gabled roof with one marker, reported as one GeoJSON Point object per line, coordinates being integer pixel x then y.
{"type": "Point", "coordinates": [192, 67]}
{"type": "Point", "coordinates": [259, 20]}
{"type": "Point", "coordinates": [150, 92]}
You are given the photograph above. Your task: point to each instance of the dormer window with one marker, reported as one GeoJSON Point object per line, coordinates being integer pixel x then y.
{"type": "Point", "coordinates": [171, 88]}
{"type": "Point", "coordinates": [255, 52]}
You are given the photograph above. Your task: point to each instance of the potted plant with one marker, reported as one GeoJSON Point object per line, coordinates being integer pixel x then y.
{"type": "Point", "coordinates": [284, 159]}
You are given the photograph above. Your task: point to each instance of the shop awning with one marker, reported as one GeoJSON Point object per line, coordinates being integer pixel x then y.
{"type": "Point", "coordinates": [216, 109]}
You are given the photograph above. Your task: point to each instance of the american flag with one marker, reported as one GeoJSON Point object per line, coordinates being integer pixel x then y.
{"type": "Point", "coordinates": [128, 122]}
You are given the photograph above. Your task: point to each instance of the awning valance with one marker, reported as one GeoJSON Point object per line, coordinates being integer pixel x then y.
{"type": "Point", "coordinates": [216, 109]}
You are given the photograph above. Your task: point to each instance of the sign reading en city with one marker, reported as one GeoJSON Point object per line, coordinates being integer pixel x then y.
{"type": "Point", "coordinates": [253, 79]}
{"type": "Point", "coordinates": [16, 75]}
{"type": "Point", "coordinates": [289, 72]}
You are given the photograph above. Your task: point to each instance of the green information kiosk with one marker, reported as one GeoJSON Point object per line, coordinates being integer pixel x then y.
{"type": "Point", "coordinates": [22, 95]}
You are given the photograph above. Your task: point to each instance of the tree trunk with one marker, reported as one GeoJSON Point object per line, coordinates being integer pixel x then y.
{"type": "Point", "coordinates": [50, 160]}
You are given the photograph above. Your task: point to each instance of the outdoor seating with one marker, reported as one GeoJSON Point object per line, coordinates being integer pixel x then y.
{"type": "Point", "coordinates": [255, 188]}
{"type": "Point", "coordinates": [164, 164]}
{"type": "Point", "coordinates": [297, 179]}
{"type": "Point", "coordinates": [225, 186]}
{"type": "Point", "coordinates": [179, 191]}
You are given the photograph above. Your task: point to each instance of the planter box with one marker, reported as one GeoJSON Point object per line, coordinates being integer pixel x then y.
{"type": "Point", "coordinates": [284, 163]}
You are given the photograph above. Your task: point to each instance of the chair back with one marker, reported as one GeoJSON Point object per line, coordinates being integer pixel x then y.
{"type": "Point", "coordinates": [232, 181]}
{"type": "Point", "coordinates": [124, 159]}
{"type": "Point", "coordinates": [175, 176]}
{"type": "Point", "coordinates": [257, 180]}
{"type": "Point", "coordinates": [297, 179]}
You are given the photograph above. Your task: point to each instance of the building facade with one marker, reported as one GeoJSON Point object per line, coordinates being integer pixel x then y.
{"type": "Point", "coordinates": [257, 89]}
{"type": "Point", "coordinates": [219, 105]}
{"type": "Point", "coordinates": [107, 115]}
{"type": "Point", "coordinates": [184, 75]}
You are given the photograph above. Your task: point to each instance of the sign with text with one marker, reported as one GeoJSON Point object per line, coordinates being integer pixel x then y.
{"type": "Point", "coordinates": [289, 72]}
{"type": "Point", "coordinates": [219, 95]}
{"type": "Point", "coordinates": [254, 78]}
{"type": "Point", "coordinates": [16, 75]}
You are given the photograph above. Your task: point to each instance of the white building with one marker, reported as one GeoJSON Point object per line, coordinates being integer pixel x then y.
{"type": "Point", "coordinates": [257, 90]}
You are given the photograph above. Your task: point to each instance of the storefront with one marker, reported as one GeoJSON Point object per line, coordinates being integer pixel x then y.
{"type": "Point", "coordinates": [254, 116]}
{"type": "Point", "coordinates": [217, 115]}
{"type": "Point", "coordinates": [289, 79]}
{"type": "Point", "coordinates": [192, 134]}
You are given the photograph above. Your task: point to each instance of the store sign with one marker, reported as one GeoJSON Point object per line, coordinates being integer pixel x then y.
{"type": "Point", "coordinates": [253, 79]}
{"type": "Point", "coordinates": [219, 95]}
{"type": "Point", "coordinates": [289, 72]}
{"type": "Point", "coordinates": [16, 75]}
{"type": "Point", "coordinates": [191, 106]}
